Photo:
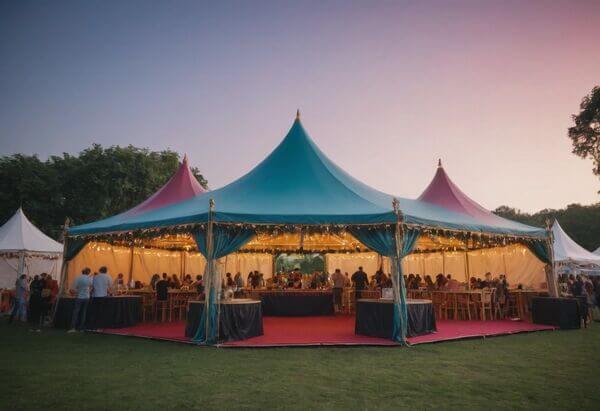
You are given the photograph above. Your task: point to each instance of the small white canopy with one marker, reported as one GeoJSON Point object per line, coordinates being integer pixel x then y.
{"type": "Point", "coordinates": [18, 234]}
{"type": "Point", "coordinates": [24, 249]}
{"type": "Point", "coordinates": [565, 249]}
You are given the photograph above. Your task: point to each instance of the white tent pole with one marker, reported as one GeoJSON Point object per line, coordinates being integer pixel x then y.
{"type": "Point", "coordinates": [21, 266]}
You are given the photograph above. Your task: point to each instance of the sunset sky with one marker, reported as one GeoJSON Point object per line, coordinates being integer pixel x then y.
{"type": "Point", "coordinates": [385, 88]}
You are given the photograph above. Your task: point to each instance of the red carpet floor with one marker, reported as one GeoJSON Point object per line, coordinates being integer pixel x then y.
{"type": "Point", "coordinates": [338, 330]}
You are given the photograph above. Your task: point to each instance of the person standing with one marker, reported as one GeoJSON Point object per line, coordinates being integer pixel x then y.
{"type": "Point", "coordinates": [239, 281]}
{"type": "Point", "coordinates": [338, 280]}
{"type": "Point", "coordinates": [81, 288]}
{"type": "Point", "coordinates": [119, 283]}
{"type": "Point", "coordinates": [35, 302]}
{"type": "Point", "coordinates": [162, 288]}
{"type": "Point", "coordinates": [360, 281]}
{"type": "Point", "coordinates": [20, 303]}
{"type": "Point", "coordinates": [101, 284]}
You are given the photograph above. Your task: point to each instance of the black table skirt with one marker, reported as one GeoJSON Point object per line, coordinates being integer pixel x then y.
{"type": "Point", "coordinates": [236, 322]}
{"type": "Point", "coordinates": [563, 312]}
{"type": "Point", "coordinates": [297, 305]}
{"type": "Point", "coordinates": [102, 312]}
{"type": "Point", "coordinates": [376, 319]}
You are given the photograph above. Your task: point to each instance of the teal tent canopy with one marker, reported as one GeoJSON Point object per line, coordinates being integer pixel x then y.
{"type": "Point", "coordinates": [298, 184]}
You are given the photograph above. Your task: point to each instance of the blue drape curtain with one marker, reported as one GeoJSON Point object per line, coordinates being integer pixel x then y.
{"type": "Point", "coordinates": [226, 240]}
{"type": "Point", "coordinates": [73, 247]}
{"type": "Point", "coordinates": [383, 241]}
{"type": "Point", "coordinates": [540, 250]}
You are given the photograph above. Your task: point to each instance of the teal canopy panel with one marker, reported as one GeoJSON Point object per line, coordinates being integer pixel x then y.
{"type": "Point", "coordinates": [298, 184]}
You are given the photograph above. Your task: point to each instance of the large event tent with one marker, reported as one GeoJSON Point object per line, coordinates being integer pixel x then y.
{"type": "Point", "coordinates": [568, 251]}
{"type": "Point", "coordinates": [24, 249]}
{"type": "Point", "coordinates": [516, 261]}
{"type": "Point", "coordinates": [297, 189]}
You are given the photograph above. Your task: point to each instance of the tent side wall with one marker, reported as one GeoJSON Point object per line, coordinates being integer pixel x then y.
{"type": "Point", "coordinates": [516, 261]}
{"type": "Point", "coordinates": [147, 262]}
{"type": "Point", "coordinates": [34, 265]}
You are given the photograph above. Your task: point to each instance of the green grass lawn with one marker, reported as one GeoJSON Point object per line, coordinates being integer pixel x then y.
{"type": "Point", "coordinates": [545, 370]}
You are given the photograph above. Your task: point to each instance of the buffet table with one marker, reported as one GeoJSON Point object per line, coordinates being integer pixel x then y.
{"type": "Point", "coordinates": [295, 303]}
{"type": "Point", "coordinates": [563, 312]}
{"type": "Point", "coordinates": [239, 319]}
{"type": "Point", "coordinates": [102, 312]}
{"type": "Point", "coordinates": [375, 317]}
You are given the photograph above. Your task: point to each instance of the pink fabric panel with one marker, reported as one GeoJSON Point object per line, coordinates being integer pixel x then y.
{"type": "Point", "coordinates": [444, 193]}
{"type": "Point", "coordinates": [182, 186]}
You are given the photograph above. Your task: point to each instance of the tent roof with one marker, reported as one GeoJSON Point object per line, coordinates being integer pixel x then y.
{"type": "Point", "coordinates": [182, 186]}
{"type": "Point", "coordinates": [297, 184]}
{"type": "Point", "coordinates": [597, 252]}
{"type": "Point", "coordinates": [565, 249]}
{"type": "Point", "coordinates": [442, 191]}
{"type": "Point", "coordinates": [19, 234]}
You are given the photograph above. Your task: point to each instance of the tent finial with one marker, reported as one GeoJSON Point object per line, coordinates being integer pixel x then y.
{"type": "Point", "coordinates": [298, 115]}
{"type": "Point", "coordinates": [439, 162]}
{"type": "Point", "coordinates": [185, 158]}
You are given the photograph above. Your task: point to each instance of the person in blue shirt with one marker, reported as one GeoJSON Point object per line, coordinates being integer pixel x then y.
{"type": "Point", "coordinates": [101, 284]}
{"type": "Point", "coordinates": [20, 303]}
{"type": "Point", "coordinates": [81, 287]}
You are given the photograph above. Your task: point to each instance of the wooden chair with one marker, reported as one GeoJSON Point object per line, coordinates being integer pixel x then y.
{"type": "Point", "coordinates": [477, 304]}
{"type": "Point", "coordinates": [161, 307]}
{"type": "Point", "coordinates": [463, 305]}
{"type": "Point", "coordinates": [348, 300]}
{"type": "Point", "coordinates": [177, 305]}
{"type": "Point", "coordinates": [439, 305]}
{"type": "Point", "coordinates": [487, 303]}
{"type": "Point", "coordinates": [148, 303]}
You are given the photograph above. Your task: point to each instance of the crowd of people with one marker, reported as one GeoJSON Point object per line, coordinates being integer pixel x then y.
{"type": "Point", "coordinates": [587, 289]}
{"type": "Point", "coordinates": [33, 299]}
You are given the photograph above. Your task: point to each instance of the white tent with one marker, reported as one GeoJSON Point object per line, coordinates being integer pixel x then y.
{"type": "Point", "coordinates": [597, 252]}
{"type": "Point", "coordinates": [568, 251]}
{"type": "Point", "coordinates": [24, 249]}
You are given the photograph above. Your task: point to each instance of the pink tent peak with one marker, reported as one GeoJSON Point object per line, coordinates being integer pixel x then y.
{"type": "Point", "coordinates": [443, 192]}
{"type": "Point", "coordinates": [182, 186]}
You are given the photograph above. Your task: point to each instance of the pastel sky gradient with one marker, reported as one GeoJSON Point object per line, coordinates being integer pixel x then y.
{"type": "Point", "coordinates": [385, 88]}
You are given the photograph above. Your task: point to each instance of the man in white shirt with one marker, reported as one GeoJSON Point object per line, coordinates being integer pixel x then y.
{"type": "Point", "coordinates": [101, 284]}
{"type": "Point", "coordinates": [81, 288]}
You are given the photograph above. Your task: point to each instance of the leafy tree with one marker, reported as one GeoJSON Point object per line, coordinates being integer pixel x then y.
{"type": "Point", "coordinates": [581, 223]}
{"type": "Point", "coordinates": [585, 135]}
{"type": "Point", "coordinates": [97, 183]}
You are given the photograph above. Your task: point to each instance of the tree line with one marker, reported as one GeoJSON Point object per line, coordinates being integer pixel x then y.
{"type": "Point", "coordinates": [96, 183]}
{"type": "Point", "coordinates": [580, 222]}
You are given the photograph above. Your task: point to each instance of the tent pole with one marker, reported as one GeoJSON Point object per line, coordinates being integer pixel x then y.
{"type": "Point", "coordinates": [21, 266]}
{"type": "Point", "coordinates": [467, 268]}
{"type": "Point", "coordinates": [551, 274]}
{"type": "Point", "coordinates": [210, 269]}
{"type": "Point", "coordinates": [131, 254]}
{"type": "Point", "coordinates": [64, 270]}
{"type": "Point", "coordinates": [443, 262]}
{"type": "Point", "coordinates": [399, 287]}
